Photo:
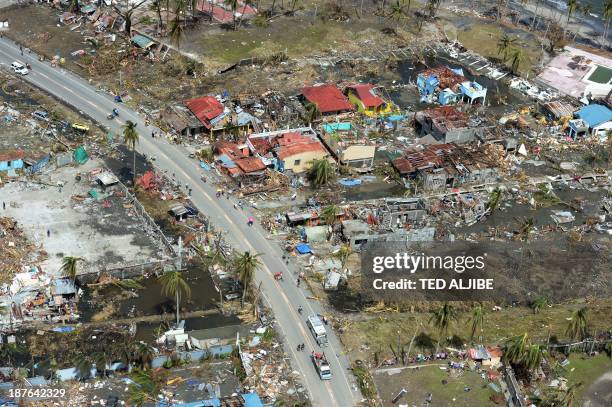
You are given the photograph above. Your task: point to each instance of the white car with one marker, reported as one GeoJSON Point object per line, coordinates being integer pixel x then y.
{"type": "Point", "coordinates": [19, 68]}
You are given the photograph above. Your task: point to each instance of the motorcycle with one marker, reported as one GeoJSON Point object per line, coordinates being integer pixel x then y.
{"type": "Point", "coordinates": [113, 114]}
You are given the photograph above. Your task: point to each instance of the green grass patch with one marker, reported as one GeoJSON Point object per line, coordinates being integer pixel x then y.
{"type": "Point", "coordinates": [601, 74]}
{"type": "Point", "coordinates": [586, 369]}
{"type": "Point", "coordinates": [430, 380]}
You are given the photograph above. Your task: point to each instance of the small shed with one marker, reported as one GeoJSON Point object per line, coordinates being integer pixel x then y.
{"type": "Point", "coordinates": [107, 179]}
{"type": "Point", "coordinates": [332, 280]}
{"type": "Point", "coordinates": [179, 212]}
{"type": "Point", "coordinates": [143, 42]}
{"type": "Point", "coordinates": [316, 233]}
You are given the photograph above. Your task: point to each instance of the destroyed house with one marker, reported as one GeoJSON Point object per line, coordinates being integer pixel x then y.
{"type": "Point", "coordinates": [350, 147]}
{"type": "Point", "coordinates": [181, 120]}
{"type": "Point", "coordinates": [327, 98]}
{"type": "Point", "coordinates": [11, 160]}
{"type": "Point", "coordinates": [557, 110]}
{"type": "Point", "coordinates": [435, 80]}
{"type": "Point", "coordinates": [207, 109]}
{"type": "Point", "coordinates": [446, 124]}
{"type": "Point", "coordinates": [288, 150]}
{"type": "Point", "coordinates": [236, 159]}
{"type": "Point", "coordinates": [366, 98]}
{"type": "Point", "coordinates": [440, 166]}
{"type": "Point", "coordinates": [397, 212]}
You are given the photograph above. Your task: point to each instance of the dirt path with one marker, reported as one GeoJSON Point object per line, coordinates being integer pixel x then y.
{"type": "Point", "coordinates": [600, 393]}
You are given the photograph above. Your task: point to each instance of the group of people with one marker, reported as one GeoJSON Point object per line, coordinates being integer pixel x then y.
{"type": "Point", "coordinates": [301, 347]}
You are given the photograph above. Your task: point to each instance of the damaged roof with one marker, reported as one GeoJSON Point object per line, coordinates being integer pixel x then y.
{"type": "Point", "coordinates": [250, 164]}
{"type": "Point", "coordinates": [328, 98]}
{"type": "Point", "coordinates": [294, 143]}
{"type": "Point", "coordinates": [446, 76]}
{"type": "Point", "coordinates": [445, 118]}
{"type": "Point", "coordinates": [365, 93]}
{"type": "Point", "coordinates": [430, 156]}
{"type": "Point", "coordinates": [12, 155]}
{"type": "Point", "coordinates": [205, 108]}
{"type": "Point", "coordinates": [560, 108]}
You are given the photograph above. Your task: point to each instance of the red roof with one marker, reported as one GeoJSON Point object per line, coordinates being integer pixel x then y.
{"type": "Point", "coordinates": [288, 151]}
{"type": "Point", "coordinates": [12, 155]}
{"type": "Point", "coordinates": [250, 164]}
{"type": "Point", "coordinates": [261, 145]}
{"type": "Point", "coordinates": [366, 95]}
{"type": "Point", "coordinates": [205, 108]}
{"type": "Point", "coordinates": [328, 98]}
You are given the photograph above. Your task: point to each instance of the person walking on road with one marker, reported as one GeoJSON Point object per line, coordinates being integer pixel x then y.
{"type": "Point", "coordinates": [21, 49]}
{"type": "Point", "coordinates": [300, 309]}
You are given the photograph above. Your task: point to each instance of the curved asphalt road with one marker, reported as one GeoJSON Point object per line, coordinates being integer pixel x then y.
{"type": "Point", "coordinates": [283, 296]}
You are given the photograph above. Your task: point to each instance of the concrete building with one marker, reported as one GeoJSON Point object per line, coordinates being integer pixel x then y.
{"type": "Point", "coordinates": [367, 100]}
{"type": "Point", "coordinates": [446, 124]}
{"type": "Point", "coordinates": [597, 117]}
{"type": "Point", "coordinates": [399, 211]}
{"type": "Point", "coordinates": [349, 147]}
{"type": "Point", "coordinates": [288, 150]}
{"type": "Point", "coordinates": [11, 160]}
{"type": "Point", "coordinates": [440, 166]}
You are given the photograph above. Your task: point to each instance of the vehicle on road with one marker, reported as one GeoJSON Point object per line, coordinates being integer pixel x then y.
{"type": "Point", "coordinates": [317, 328]}
{"type": "Point", "coordinates": [278, 275]}
{"type": "Point", "coordinates": [113, 114]}
{"type": "Point", "coordinates": [19, 68]}
{"type": "Point", "coordinates": [41, 115]}
{"type": "Point", "coordinates": [321, 365]}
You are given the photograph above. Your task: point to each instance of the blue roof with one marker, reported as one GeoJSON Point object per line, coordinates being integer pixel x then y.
{"type": "Point", "coordinates": [252, 400]}
{"type": "Point", "coordinates": [226, 161]}
{"type": "Point", "coordinates": [303, 248]}
{"type": "Point", "coordinates": [63, 286]}
{"type": "Point", "coordinates": [595, 114]}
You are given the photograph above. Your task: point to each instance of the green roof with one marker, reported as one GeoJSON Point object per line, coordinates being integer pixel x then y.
{"type": "Point", "coordinates": [142, 41]}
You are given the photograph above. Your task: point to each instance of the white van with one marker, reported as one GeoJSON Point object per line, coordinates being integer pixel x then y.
{"type": "Point", "coordinates": [19, 68]}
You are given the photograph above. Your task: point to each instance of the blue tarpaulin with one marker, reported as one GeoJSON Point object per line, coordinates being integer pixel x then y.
{"type": "Point", "coordinates": [332, 127]}
{"type": "Point", "coordinates": [226, 161]}
{"type": "Point", "coordinates": [303, 248]}
{"type": "Point", "coordinates": [63, 329]}
{"type": "Point", "coordinates": [204, 166]}
{"type": "Point", "coordinates": [350, 182]}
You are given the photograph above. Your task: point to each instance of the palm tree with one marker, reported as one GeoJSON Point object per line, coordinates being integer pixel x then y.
{"type": "Point", "coordinates": [233, 5]}
{"type": "Point", "coordinates": [130, 138]}
{"type": "Point", "coordinates": [144, 355]}
{"type": "Point", "coordinates": [174, 285]}
{"type": "Point", "coordinates": [343, 254]}
{"type": "Point", "coordinates": [156, 7]}
{"type": "Point", "coordinates": [442, 318]}
{"type": "Point", "coordinates": [494, 200]}
{"type": "Point", "coordinates": [504, 44]}
{"type": "Point", "coordinates": [539, 303]}
{"type": "Point", "coordinates": [312, 112]}
{"type": "Point", "coordinates": [127, 12]}
{"type": "Point", "coordinates": [577, 328]}
{"type": "Point", "coordinates": [515, 349]}
{"type": "Point", "coordinates": [533, 357]}
{"type": "Point", "coordinates": [477, 320]}
{"type": "Point", "coordinates": [526, 226]}
{"type": "Point", "coordinates": [321, 173]}
{"type": "Point", "coordinates": [69, 266]}
{"type": "Point", "coordinates": [245, 3]}
{"type": "Point", "coordinates": [101, 359]}
{"type": "Point", "coordinates": [146, 386]}
{"type": "Point", "coordinates": [177, 32]}
{"type": "Point", "coordinates": [607, 15]}
{"type": "Point", "coordinates": [330, 214]}
{"type": "Point", "coordinates": [586, 11]}
{"type": "Point", "coordinates": [398, 12]}
{"type": "Point", "coordinates": [572, 5]}
{"type": "Point", "coordinates": [83, 366]}
{"type": "Point", "coordinates": [245, 265]}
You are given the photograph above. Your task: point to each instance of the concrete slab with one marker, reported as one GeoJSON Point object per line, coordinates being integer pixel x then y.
{"type": "Point", "coordinates": [106, 232]}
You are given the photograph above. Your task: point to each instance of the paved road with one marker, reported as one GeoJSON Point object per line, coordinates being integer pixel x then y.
{"type": "Point", "coordinates": [283, 296]}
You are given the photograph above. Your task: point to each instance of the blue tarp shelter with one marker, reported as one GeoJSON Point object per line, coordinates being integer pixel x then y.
{"type": "Point", "coordinates": [303, 248]}
{"type": "Point", "coordinates": [226, 161]}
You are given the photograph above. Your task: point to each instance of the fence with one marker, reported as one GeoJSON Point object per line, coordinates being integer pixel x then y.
{"type": "Point", "coordinates": [140, 211]}
{"type": "Point", "coordinates": [130, 271]}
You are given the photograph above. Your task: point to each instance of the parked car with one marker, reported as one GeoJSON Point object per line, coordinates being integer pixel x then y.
{"type": "Point", "coordinates": [19, 68]}
{"type": "Point", "coordinates": [41, 115]}
{"type": "Point", "coordinates": [80, 127]}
